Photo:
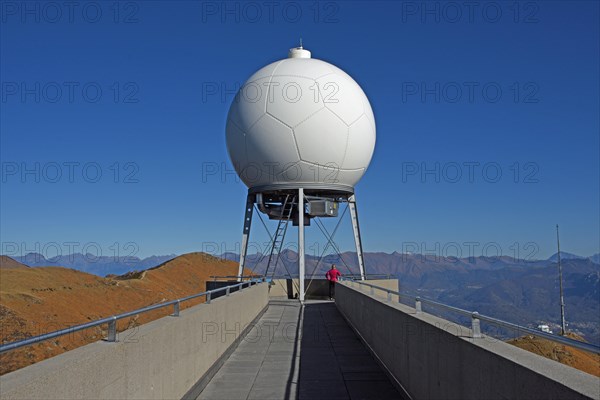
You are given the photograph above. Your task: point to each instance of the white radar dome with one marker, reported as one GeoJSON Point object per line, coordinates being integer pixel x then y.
{"type": "Point", "coordinates": [300, 123]}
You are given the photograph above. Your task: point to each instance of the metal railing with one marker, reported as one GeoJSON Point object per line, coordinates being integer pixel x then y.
{"type": "Point", "coordinates": [236, 277]}
{"type": "Point", "coordinates": [346, 276]}
{"type": "Point", "coordinates": [112, 321]}
{"type": "Point", "coordinates": [368, 277]}
{"type": "Point", "coordinates": [476, 318]}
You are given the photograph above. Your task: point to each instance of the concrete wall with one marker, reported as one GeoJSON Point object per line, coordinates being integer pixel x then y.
{"type": "Point", "coordinates": [315, 288]}
{"type": "Point", "coordinates": [385, 283]}
{"type": "Point", "coordinates": [159, 360]}
{"type": "Point", "coordinates": [282, 287]}
{"type": "Point", "coordinates": [319, 288]}
{"type": "Point", "coordinates": [213, 285]}
{"type": "Point", "coordinates": [431, 358]}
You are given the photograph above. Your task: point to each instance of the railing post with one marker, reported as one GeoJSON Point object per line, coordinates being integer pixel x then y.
{"type": "Point", "coordinates": [176, 309]}
{"type": "Point", "coordinates": [208, 296]}
{"type": "Point", "coordinates": [475, 325]}
{"type": "Point", "coordinates": [227, 291]}
{"type": "Point", "coordinates": [112, 330]}
{"type": "Point", "coordinates": [418, 305]}
{"type": "Point", "coordinates": [372, 290]}
{"type": "Point", "coordinates": [389, 296]}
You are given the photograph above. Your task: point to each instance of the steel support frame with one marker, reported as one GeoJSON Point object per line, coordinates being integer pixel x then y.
{"type": "Point", "coordinates": [248, 212]}
{"type": "Point", "coordinates": [250, 199]}
{"type": "Point", "coordinates": [357, 238]}
{"type": "Point", "coordinates": [301, 264]}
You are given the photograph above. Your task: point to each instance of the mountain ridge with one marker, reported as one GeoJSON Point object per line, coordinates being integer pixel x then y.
{"type": "Point", "coordinates": [112, 265]}
{"type": "Point", "coordinates": [97, 265]}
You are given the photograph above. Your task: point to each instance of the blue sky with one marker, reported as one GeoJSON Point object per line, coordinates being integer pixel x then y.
{"type": "Point", "coordinates": [127, 92]}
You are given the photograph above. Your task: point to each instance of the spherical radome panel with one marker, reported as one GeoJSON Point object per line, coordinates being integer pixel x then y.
{"type": "Point", "coordinates": [322, 139]}
{"type": "Point", "coordinates": [271, 159]}
{"type": "Point", "coordinates": [293, 99]}
{"type": "Point", "coordinates": [300, 122]}
{"type": "Point", "coordinates": [356, 157]}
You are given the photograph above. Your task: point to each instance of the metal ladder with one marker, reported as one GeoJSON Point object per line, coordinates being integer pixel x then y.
{"type": "Point", "coordinates": [286, 214]}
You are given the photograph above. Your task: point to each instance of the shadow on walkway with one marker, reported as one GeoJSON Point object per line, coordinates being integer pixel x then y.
{"type": "Point", "coordinates": [334, 364]}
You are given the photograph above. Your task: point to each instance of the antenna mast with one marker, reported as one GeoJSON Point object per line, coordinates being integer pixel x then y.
{"type": "Point", "coordinates": [563, 328]}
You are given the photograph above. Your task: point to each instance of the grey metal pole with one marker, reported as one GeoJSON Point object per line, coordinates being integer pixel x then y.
{"type": "Point", "coordinates": [245, 234]}
{"type": "Point", "coordinates": [357, 238]}
{"type": "Point", "coordinates": [475, 325]}
{"type": "Point", "coordinates": [563, 325]}
{"type": "Point", "coordinates": [112, 330]}
{"type": "Point", "coordinates": [301, 266]}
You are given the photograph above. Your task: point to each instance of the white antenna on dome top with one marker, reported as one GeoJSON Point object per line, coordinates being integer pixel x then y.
{"type": "Point", "coordinates": [299, 52]}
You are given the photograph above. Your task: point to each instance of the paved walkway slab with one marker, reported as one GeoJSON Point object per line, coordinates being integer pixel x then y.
{"type": "Point", "coordinates": [300, 353]}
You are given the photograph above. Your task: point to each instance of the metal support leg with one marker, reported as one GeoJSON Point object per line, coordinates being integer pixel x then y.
{"type": "Point", "coordinates": [245, 234]}
{"type": "Point", "coordinates": [301, 266]}
{"type": "Point", "coordinates": [357, 239]}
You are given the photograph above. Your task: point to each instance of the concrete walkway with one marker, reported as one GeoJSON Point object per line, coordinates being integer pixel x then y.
{"type": "Point", "coordinates": [296, 353]}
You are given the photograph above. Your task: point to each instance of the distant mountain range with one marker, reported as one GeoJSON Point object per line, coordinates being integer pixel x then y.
{"type": "Point", "coordinates": [524, 292]}
{"type": "Point", "coordinates": [570, 256]}
{"type": "Point", "coordinates": [391, 263]}
{"type": "Point", "coordinates": [519, 291]}
{"type": "Point", "coordinates": [101, 266]}
{"type": "Point", "coordinates": [381, 262]}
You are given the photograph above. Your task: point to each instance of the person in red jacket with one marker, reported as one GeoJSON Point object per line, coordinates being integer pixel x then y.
{"type": "Point", "coordinates": [332, 276]}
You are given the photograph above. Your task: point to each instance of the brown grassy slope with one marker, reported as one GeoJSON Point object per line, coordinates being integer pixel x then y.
{"type": "Point", "coordinates": [567, 355]}
{"type": "Point", "coordinates": [7, 262]}
{"type": "Point", "coordinates": [40, 300]}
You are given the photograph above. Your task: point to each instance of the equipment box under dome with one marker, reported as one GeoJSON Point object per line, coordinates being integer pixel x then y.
{"type": "Point", "coordinates": [322, 208]}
